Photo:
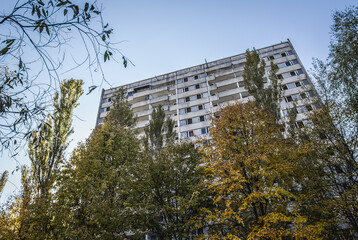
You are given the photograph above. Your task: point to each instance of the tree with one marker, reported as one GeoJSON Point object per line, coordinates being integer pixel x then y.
{"type": "Point", "coordinates": [343, 59]}
{"type": "Point", "coordinates": [121, 113]}
{"type": "Point", "coordinates": [335, 184]}
{"type": "Point", "coordinates": [92, 190]}
{"type": "Point", "coordinates": [335, 125]}
{"type": "Point", "coordinates": [163, 183]}
{"type": "Point", "coordinates": [249, 166]}
{"type": "Point", "coordinates": [158, 128]}
{"type": "Point", "coordinates": [164, 192]}
{"type": "Point", "coordinates": [268, 96]}
{"type": "Point", "coordinates": [35, 38]}
{"type": "Point", "coordinates": [47, 146]}
{"type": "Point", "coordinates": [29, 215]}
{"type": "Point", "coordinates": [3, 180]}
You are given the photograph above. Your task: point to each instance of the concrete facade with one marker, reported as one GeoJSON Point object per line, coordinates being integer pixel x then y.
{"type": "Point", "coordinates": [191, 95]}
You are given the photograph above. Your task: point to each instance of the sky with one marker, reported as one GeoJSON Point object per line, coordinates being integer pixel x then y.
{"type": "Point", "coordinates": [164, 36]}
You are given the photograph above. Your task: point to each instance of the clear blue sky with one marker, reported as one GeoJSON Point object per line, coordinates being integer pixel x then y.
{"type": "Point", "coordinates": [164, 36]}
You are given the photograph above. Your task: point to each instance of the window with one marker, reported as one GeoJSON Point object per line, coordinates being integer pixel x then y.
{"type": "Point", "coordinates": [183, 134]}
{"type": "Point", "coordinates": [191, 78]}
{"type": "Point", "coordinates": [309, 108]}
{"type": "Point", "coordinates": [197, 132]}
{"type": "Point", "coordinates": [304, 82]}
{"type": "Point", "coordinates": [299, 71]}
{"type": "Point", "coordinates": [289, 99]}
{"type": "Point", "coordinates": [100, 120]}
{"type": "Point", "coordinates": [303, 95]}
{"type": "Point", "coordinates": [296, 97]}
{"type": "Point", "coordinates": [191, 133]}
{"type": "Point", "coordinates": [203, 131]}
{"type": "Point", "coordinates": [298, 84]}
{"type": "Point", "coordinates": [190, 121]}
{"type": "Point", "coordinates": [106, 100]}
{"type": "Point", "coordinates": [187, 99]}
{"type": "Point", "coordinates": [196, 119]}
{"type": "Point", "coordinates": [241, 84]}
{"type": "Point", "coordinates": [279, 76]}
{"type": "Point", "coordinates": [202, 75]}
{"type": "Point", "coordinates": [185, 79]}
{"type": "Point", "coordinates": [182, 111]}
{"type": "Point", "coordinates": [194, 108]}
{"type": "Point", "coordinates": [180, 81]}
{"type": "Point", "coordinates": [205, 95]}
{"type": "Point", "coordinates": [188, 110]}
{"type": "Point", "coordinates": [202, 119]}
{"type": "Point", "coordinates": [196, 77]}
{"type": "Point", "coordinates": [192, 98]}
{"type": "Point", "coordinates": [200, 107]}
{"type": "Point", "coordinates": [197, 86]}
{"type": "Point", "coordinates": [182, 122]}
{"type": "Point", "coordinates": [244, 94]}
{"type": "Point", "coordinates": [290, 85]}
{"type": "Point", "coordinates": [311, 93]}
{"type": "Point", "coordinates": [181, 100]}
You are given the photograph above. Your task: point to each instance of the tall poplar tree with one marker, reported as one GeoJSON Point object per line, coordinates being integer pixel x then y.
{"type": "Point", "coordinates": [264, 87]}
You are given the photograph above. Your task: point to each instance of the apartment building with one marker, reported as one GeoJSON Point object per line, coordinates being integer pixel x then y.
{"type": "Point", "coordinates": [190, 96]}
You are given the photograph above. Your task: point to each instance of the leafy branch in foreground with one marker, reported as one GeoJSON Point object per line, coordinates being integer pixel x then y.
{"type": "Point", "coordinates": [35, 39]}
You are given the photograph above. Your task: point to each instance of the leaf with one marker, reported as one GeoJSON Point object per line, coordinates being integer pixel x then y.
{"type": "Point", "coordinates": [38, 12]}
{"type": "Point", "coordinates": [65, 12]}
{"type": "Point", "coordinates": [91, 88]}
{"type": "Point", "coordinates": [41, 27]}
{"type": "Point", "coordinates": [4, 51]}
{"type": "Point", "coordinates": [41, 2]}
{"type": "Point", "coordinates": [125, 62]}
{"type": "Point", "coordinates": [106, 56]}
{"type": "Point", "coordinates": [20, 63]}
{"type": "Point", "coordinates": [47, 30]}
{"type": "Point", "coordinates": [86, 6]}
{"type": "Point", "coordinates": [61, 4]}
{"type": "Point", "coordinates": [33, 10]}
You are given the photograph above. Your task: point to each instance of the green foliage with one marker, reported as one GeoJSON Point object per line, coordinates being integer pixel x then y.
{"type": "Point", "coordinates": [165, 193]}
{"type": "Point", "coordinates": [343, 57]}
{"type": "Point", "coordinates": [121, 113]}
{"type": "Point", "coordinates": [158, 128]}
{"type": "Point", "coordinates": [91, 193]}
{"type": "Point", "coordinates": [47, 146]}
{"type": "Point", "coordinates": [254, 80]}
{"type": "Point", "coordinates": [333, 137]}
{"type": "Point", "coordinates": [92, 190]}
{"type": "Point", "coordinates": [30, 32]}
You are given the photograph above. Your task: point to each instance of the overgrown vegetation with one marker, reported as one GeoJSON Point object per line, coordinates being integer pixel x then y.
{"type": "Point", "coordinates": [251, 180]}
